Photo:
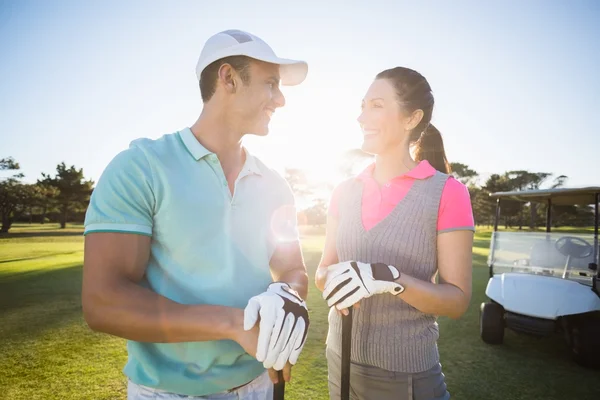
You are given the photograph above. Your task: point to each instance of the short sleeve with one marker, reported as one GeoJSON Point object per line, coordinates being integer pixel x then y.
{"type": "Point", "coordinates": [333, 209]}
{"type": "Point", "coordinates": [455, 212]}
{"type": "Point", "coordinates": [334, 200]}
{"type": "Point", "coordinates": [123, 200]}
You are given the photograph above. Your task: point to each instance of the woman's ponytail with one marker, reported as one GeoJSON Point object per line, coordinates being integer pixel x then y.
{"type": "Point", "coordinates": [430, 147]}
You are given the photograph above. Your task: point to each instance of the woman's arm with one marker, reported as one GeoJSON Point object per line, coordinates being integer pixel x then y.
{"type": "Point", "coordinates": [451, 296]}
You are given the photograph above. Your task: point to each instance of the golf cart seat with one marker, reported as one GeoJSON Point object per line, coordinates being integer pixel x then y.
{"type": "Point", "coordinates": [545, 255]}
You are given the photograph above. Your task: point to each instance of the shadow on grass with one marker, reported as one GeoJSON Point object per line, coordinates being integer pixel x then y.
{"type": "Point", "coordinates": [35, 301]}
{"type": "Point", "coordinates": [38, 257]}
{"type": "Point", "coordinates": [482, 244]}
{"type": "Point", "coordinates": [21, 235]}
{"type": "Point", "coordinates": [523, 367]}
{"type": "Point", "coordinates": [479, 260]}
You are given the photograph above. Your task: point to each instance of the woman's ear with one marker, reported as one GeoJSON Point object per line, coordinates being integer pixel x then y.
{"type": "Point", "coordinates": [413, 119]}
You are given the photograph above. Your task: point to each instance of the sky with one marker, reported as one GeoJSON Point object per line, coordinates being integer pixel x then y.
{"type": "Point", "coordinates": [516, 83]}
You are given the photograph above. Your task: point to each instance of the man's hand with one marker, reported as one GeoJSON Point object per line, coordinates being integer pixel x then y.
{"type": "Point", "coordinates": [283, 325]}
{"type": "Point", "coordinates": [248, 339]}
{"type": "Point", "coordinates": [351, 281]}
{"type": "Point", "coordinates": [287, 374]}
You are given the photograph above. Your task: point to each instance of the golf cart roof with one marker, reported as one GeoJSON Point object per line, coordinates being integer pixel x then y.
{"type": "Point", "coordinates": [560, 196]}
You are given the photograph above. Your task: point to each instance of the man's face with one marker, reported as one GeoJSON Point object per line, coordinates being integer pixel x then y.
{"type": "Point", "coordinates": [255, 103]}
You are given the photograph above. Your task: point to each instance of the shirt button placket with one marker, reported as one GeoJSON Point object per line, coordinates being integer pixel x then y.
{"type": "Point", "coordinates": [217, 169]}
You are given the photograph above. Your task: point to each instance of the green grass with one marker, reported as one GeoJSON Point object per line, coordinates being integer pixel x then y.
{"type": "Point", "coordinates": [47, 351]}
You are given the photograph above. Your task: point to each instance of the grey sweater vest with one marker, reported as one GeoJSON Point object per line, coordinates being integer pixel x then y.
{"type": "Point", "coordinates": [387, 332]}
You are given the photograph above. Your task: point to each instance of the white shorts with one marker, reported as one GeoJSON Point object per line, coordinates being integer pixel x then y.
{"type": "Point", "coordinates": [260, 388]}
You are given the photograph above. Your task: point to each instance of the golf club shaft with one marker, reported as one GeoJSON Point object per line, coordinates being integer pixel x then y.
{"type": "Point", "coordinates": [346, 348]}
{"type": "Point", "coordinates": [279, 387]}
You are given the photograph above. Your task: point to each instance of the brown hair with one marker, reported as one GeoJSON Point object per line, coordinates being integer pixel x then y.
{"type": "Point", "coordinates": [208, 77]}
{"type": "Point", "coordinates": [414, 93]}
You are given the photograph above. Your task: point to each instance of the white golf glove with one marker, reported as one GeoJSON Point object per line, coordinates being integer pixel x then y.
{"type": "Point", "coordinates": [349, 282]}
{"type": "Point", "coordinates": [283, 325]}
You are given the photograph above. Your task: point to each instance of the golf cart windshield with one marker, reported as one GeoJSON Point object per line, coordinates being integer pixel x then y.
{"type": "Point", "coordinates": [561, 251]}
{"type": "Point", "coordinates": [559, 254]}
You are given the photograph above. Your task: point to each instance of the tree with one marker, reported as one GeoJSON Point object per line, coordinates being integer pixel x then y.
{"type": "Point", "coordinates": [11, 193]}
{"type": "Point", "coordinates": [298, 182]}
{"type": "Point", "coordinates": [502, 183]}
{"type": "Point", "coordinates": [535, 183]}
{"type": "Point", "coordinates": [47, 199]}
{"type": "Point", "coordinates": [463, 173]}
{"type": "Point", "coordinates": [525, 180]}
{"type": "Point", "coordinates": [31, 197]}
{"type": "Point", "coordinates": [317, 213]}
{"type": "Point", "coordinates": [483, 207]}
{"type": "Point", "coordinates": [73, 190]}
{"type": "Point", "coordinates": [9, 163]}
{"type": "Point", "coordinates": [352, 161]}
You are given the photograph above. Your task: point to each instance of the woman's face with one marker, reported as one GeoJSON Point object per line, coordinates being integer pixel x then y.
{"type": "Point", "coordinates": [382, 120]}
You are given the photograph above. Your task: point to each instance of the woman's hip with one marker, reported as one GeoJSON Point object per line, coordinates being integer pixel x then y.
{"type": "Point", "coordinates": [371, 382]}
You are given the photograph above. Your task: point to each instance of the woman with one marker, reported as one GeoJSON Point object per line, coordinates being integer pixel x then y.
{"type": "Point", "coordinates": [391, 230]}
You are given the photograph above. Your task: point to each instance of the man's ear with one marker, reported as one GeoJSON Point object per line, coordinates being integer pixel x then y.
{"type": "Point", "coordinates": [227, 78]}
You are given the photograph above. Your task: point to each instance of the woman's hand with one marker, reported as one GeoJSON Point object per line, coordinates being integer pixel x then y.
{"type": "Point", "coordinates": [351, 281]}
{"type": "Point", "coordinates": [344, 311]}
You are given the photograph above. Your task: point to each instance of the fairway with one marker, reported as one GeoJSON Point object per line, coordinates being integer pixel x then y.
{"type": "Point", "coordinates": [47, 352]}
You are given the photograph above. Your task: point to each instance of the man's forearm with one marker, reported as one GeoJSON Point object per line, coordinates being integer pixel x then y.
{"type": "Point", "coordinates": [298, 280]}
{"type": "Point", "coordinates": [136, 313]}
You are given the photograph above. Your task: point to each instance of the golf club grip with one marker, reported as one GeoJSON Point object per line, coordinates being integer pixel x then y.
{"type": "Point", "coordinates": [346, 348]}
{"type": "Point", "coordinates": [279, 387]}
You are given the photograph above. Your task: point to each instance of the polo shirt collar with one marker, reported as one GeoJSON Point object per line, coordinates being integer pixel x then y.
{"type": "Point", "coordinates": [423, 170]}
{"type": "Point", "coordinates": [196, 150]}
{"type": "Point", "coordinates": [251, 165]}
{"type": "Point", "coordinates": [192, 144]}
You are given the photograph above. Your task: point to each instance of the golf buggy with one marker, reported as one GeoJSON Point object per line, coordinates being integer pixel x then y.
{"type": "Point", "coordinates": [546, 282]}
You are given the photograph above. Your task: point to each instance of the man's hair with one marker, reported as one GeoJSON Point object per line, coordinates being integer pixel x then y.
{"type": "Point", "coordinates": [208, 77]}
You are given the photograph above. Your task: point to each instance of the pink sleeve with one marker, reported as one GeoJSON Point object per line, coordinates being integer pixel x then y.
{"type": "Point", "coordinates": [455, 211]}
{"type": "Point", "coordinates": [335, 200]}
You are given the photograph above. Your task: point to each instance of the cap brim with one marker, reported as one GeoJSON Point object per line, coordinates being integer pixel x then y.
{"type": "Point", "coordinates": [292, 72]}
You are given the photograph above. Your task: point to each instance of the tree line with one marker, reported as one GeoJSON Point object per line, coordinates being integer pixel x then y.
{"type": "Point", "coordinates": [64, 195]}
{"type": "Point", "coordinates": [515, 214]}
{"type": "Point", "coordinates": [518, 214]}
{"type": "Point", "coordinates": [54, 197]}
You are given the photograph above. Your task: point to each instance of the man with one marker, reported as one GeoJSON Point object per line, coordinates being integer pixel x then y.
{"type": "Point", "coordinates": [185, 236]}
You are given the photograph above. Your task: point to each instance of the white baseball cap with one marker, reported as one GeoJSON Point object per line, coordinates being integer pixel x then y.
{"type": "Point", "coordinates": [239, 43]}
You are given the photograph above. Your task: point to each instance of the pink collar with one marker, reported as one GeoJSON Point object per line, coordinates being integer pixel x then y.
{"type": "Point", "coordinates": [423, 170]}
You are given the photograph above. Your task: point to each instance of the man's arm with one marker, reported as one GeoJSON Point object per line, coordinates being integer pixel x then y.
{"type": "Point", "coordinates": [115, 303]}
{"type": "Point", "coordinates": [329, 256]}
{"type": "Point", "coordinates": [115, 262]}
{"type": "Point", "coordinates": [287, 265]}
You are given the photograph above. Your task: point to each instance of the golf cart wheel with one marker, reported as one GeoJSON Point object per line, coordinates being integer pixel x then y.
{"type": "Point", "coordinates": [584, 342]}
{"type": "Point", "coordinates": [491, 323]}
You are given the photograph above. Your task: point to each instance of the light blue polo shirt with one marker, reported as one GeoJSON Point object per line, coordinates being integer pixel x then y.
{"type": "Point", "coordinates": [208, 247]}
